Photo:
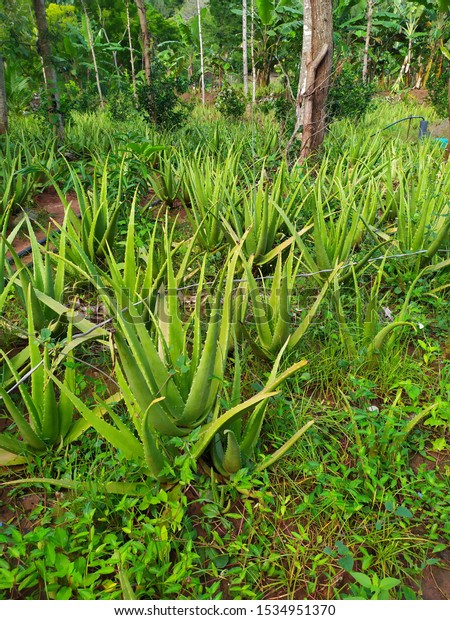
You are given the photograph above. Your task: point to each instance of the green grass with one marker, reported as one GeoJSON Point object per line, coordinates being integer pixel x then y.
{"type": "Point", "coordinates": [358, 507]}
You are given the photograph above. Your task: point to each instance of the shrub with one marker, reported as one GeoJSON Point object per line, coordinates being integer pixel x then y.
{"type": "Point", "coordinates": [159, 102]}
{"type": "Point", "coordinates": [230, 103]}
{"type": "Point", "coordinates": [349, 97]}
{"type": "Point", "coordinates": [438, 92]}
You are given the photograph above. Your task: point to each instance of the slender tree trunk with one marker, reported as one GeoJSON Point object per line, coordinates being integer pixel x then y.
{"type": "Point", "coordinates": [252, 51]}
{"type": "Point", "coordinates": [244, 46]}
{"type": "Point", "coordinates": [102, 22]}
{"type": "Point", "coordinates": [404, 68]}
{"type": "Point", "coordinates": [202, 59]}
{"type": "Point", "coordinates": [365, 70]}
{"type": "Point", "coordinates": [3, 108]}
{"type": "Point", "coordinates": [419, 76]}
{"type": "Point", "coordinates": [130, 46]}
{"type": "Point", "coordinates": [145, 38]}
{"type": "Point", "coordinates": [45, 52]}
{"type": "Point", "coordinates": [94, 57]}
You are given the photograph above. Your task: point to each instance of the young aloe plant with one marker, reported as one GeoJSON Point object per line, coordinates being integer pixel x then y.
{"type": "Point", "coordinates": [370, 334]}
{"type": "Point", "coordinates": [233, 447]}
{"type": "Point", "coordinates": [258, 212]}
{"type": "Point", "coordinates": [40, 281]}
{"type": "Point", "coordinates": [271, 308]}
{"type": "Point", "coordinates": [96, 229]}
{"type": "Point", "coordinates": [49, 419]}
{"type": "Point", "coordinates": [166, 180]}
{"type": "Point", "coordinates": [18, 180]}
{"type": "Point", "coordinates": [211, 185]}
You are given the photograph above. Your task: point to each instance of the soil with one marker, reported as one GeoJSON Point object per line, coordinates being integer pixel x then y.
{"type": "Point", "coordinates": [419, 94]}
{"type": "Point", "coordinates": [435, 579]}
{"type": "Point", "coordinates": [51, 215]}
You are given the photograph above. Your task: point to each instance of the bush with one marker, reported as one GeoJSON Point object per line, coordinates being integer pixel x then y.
{"type": "Point", "coordinates": [349, 97]}
{"type": "Point", "coordinates": [230, 103]}
{"type": "Point", "coordinates": [121, 104]}
{"type": "Point", "coordinates": [438, 92]}
{"type": "Point", "coordinates": [73, 97]}
{"type": "Point", "coordinates": [159, 102]}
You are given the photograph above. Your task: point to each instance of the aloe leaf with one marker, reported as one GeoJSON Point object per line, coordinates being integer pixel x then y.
{"type": "Point", "coordinates": [301, 329]}
{"type": "Point", "coordinates": [126, 442]}
{"type": "Point", "coordinates": [255, 420]}
{"type": "Point", "coordinates": [81, 425]}
{"type": "Point", "coordinates": [10, 449]}
{"type": "Point", "coordinates": [50, 414]}
{"type": "Point", "coordinates": [379, 339]}
{"type": "Point", "coordinates": [209, 430]}
{"type": "Point", "coordinates": [155, 459]}
{"type": "Point", "coordinates": [232, 454]}
{"type": "Point", "coordinates": [413, 422]}
{"type": "Point", "coordinates": [27, 433]}
{"type": "Point", "coordinates": [441, 236]}
{"type": "Point", "coordinates": [197, 403]}
{"type": "Point", "coordinates": [278, 454]}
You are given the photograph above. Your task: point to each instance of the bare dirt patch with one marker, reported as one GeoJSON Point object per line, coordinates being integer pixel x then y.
{"type": "Point", "coordinates": [51, 215]}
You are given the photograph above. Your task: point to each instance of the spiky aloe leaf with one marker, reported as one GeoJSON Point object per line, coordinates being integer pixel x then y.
{"type": "Point", "coordinates": [278, 454]}
{"type": "Point", "coordinates": [232, 455]}
{"type": "Point", "coordinates": [154, 457]}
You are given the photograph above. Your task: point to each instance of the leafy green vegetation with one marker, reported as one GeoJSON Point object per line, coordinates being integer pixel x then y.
{"type": "Point", "coordinates": [224, 368]}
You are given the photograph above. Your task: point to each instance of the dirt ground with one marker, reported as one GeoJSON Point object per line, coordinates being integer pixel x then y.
{"type": "Point", "coordinates": [50, 212]}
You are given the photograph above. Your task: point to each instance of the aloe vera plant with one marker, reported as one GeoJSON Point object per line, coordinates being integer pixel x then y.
{"type": "Point", "coordinates": [40, 281]}
{"type": "Point", "coordinates": [272, 308]}
{"type": "Point", "coordinates": [259, 212]}
{"type": "Point", "coordinates": [15, 187]}
{"type": "Point", "coordinates": [96, 229]}
{"type": "Point", "coordinates": [233, 447]}
{"type": "Point", "coordinates": [166, 180]}
{"type": "Point", "coordinates": [42, 417]}
{"type": "Point", "coordinates": [370, 334]}
{"type": "Point", "coordinates": [211, 185]}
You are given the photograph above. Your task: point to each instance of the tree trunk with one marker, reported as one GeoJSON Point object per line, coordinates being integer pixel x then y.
{"type": "Point", "coordinates": [145, 38]}
{"type": "Point", "coordinates": [3, 108]}
{"type": "Point", "coordinates": [252, 51]}
{"type": "Point", "coordinates": [94, 57]}
{"type": "Point", "coordinates": [317, 56]}
{"type": "Point", "coordinates": [45, 52]}
{"type": "Point", "coordinates": [244, 46]}
{"type": "Point", "coordinates": [365, 70]}
{"type": "Point", "coordinates": [130, 46]}
{"type": "Point", "coordinates": [202, 59]}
